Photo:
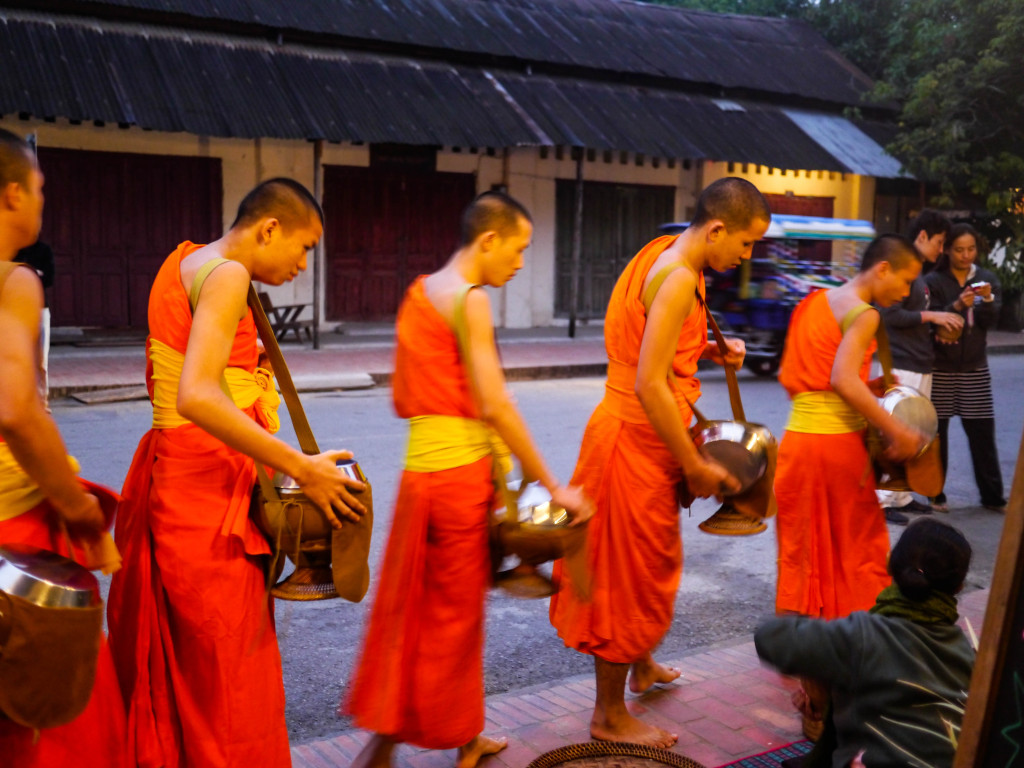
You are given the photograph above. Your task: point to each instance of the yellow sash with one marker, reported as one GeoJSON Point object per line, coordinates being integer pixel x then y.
{"type": "Point", "coordinates": [18, 493]}
{"type": "Point", "coordinates": [244, 388]}
{"type": "Point", "coordinates": [438, 442]}
{"type": "Point", "coordinates": [823, 413]}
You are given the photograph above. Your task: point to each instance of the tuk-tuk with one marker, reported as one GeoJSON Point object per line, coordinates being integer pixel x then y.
{"type": "Point", "coordinates": [797, 255]}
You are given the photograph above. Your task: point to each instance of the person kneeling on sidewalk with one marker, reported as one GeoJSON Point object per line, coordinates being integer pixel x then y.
{"type": "Point", "coordinates": [893, 671]}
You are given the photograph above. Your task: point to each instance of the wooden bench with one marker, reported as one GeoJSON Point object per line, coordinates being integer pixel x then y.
{"type": "Point", "coordinates": [284, 319]}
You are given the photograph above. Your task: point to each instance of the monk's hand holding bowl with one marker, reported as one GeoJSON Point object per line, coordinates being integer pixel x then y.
{"type": "Point", "coordinates": [83, 518]}
{"type": "Point", "coordinates": [877, 386]}
{"type": "Point", "coordinates": [329, 489]}
{"type": "Point", "coordinates": [574, 501]}
{"type": "Point", "coordinates": [904, 442]}
{"type": "Point", "coordinates": [709, 478]}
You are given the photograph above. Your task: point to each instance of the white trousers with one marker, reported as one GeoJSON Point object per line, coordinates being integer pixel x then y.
{"type": "Point", "coordinates": [922, 382]}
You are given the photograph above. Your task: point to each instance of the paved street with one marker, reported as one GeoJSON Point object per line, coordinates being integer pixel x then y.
{"type": "Point", "coordinates": [728, 582]}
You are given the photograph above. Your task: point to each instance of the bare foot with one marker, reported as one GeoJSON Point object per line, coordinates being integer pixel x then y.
{"type": "Point", "coordinates": [479, 748]}
{"type": "Point", "coordinates": [376, 753]}
{"type": "Point", "coordinates": [633, 731]}
{"type": "Point", "coordinates": [646, 672]}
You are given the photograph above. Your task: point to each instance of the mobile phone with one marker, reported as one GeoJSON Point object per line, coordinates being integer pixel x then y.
{"type": "Point", "coordinates": [978, 285]}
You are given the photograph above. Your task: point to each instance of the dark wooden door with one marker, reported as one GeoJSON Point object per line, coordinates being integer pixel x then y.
{"type": "Point", "coordinates": [112, 218]}
{"type": "Point", "coordinates": [618, 220]}
{"type": "Point", "coordinates": [386, 226]}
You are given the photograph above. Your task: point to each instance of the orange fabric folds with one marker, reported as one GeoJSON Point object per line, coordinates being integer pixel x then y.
{"type": "Point", "coordinates": [419, 678]}
{"type": "Point", "coordinates": [634, 548]}
{"type": "Point", "coordinates": [832, 538]}
{"type": "Point", "coordinates": [94, 739]}
{"type": "Point", "coordinates": [190, 626]}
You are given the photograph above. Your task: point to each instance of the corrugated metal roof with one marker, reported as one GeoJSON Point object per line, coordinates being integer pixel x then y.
{"type": "Point", "coordinates": [215, 85]}
{"type": "Point", "coordinates": [212, 88]}
{"type": "Point", "coordinates": [664, 123]}
{"type": "Point", "coordinates": [769, 55]}
{"type": "Point", "coordinates": [845, 141]}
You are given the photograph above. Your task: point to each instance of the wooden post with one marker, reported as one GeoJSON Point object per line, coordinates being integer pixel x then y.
{"type": "Point", "coordinates": [577, 244]}
{"type": "Point", "coordinates": [992, 733]}
{"type": "Point", "coordinates": [318, 251]}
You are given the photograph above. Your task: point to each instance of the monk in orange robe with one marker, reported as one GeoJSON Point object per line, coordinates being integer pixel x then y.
{"type": "Point", "coordinates": [419, 678]}
{"type": "Point", "coordinates": [190, 622]}
{"type": "Point", "coordinates": [39, 493]}
{"type": "Point", "coordinates": [833, 542]}
{"type": "Point", "coordinates": [637, 448]}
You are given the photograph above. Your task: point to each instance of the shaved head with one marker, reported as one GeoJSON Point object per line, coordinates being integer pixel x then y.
{"type": "Point", "coordinates": [492, 212]}
{"type": "Point", "coordinates": [16, 159]}
{"type": "Point", "coordinates": [734, 201]}
{"type": "Point", "coordinates": [895, 249]}
{"type": "Point", "coordinates": [283, 199]}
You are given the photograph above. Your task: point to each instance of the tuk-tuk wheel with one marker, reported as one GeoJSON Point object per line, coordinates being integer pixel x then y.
{"type": "Point", "coordinates": [763, 366]}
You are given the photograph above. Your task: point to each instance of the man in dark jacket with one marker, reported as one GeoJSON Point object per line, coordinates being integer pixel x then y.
{"type": "Point", "coordinates": [909, 325]}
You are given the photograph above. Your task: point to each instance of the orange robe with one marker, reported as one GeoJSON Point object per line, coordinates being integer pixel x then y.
{"type": "Point", "coordinates": [634, 549]}
{"type": "Point", "coordinates": [94, 739]}
{"type": "Point", "coordinates": [833, 543]}
{"type": "Point", "coordinates": [193, 639]}
{"type": "Point", "coordinates": [419, 678]}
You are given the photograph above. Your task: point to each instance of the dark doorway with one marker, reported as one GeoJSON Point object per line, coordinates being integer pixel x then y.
{"type": "Point", "coordinates": [112, 218]}
{"type": "Point", "coordinates": [386, 226]}
{"type": "Point", "coordinates": [795, 205]}
{"type": "Point", "coordinates": [618, 220]}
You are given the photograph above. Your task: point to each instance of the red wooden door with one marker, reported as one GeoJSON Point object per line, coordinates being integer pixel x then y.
{"type": "Point", "coordinates": [795, 205]}
{"type": "Point", "coordinates": [386, 226]}
{"type": "Point", "coordinates": [112, 218]}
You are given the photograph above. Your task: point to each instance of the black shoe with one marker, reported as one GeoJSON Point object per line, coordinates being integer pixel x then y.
{"type": "Point", "coordinates": [916, 507]}
{"type": "Point", "coordinates": [998, 506]}
{"type": "Point", "coordinates": [894, 516]}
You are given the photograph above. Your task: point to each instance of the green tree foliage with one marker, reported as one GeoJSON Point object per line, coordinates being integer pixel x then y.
{"type": "Point", "coordinates": [955, 68]}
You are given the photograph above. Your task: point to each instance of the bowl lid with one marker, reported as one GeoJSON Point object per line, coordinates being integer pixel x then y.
{"type": "Point", "coordinates": [46, 578]}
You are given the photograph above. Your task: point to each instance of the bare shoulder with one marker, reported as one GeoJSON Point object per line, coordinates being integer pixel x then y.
{"type": "Point", "coordinates": [21, 287]}
{"type": "Point", "coordinates": [478, 308]}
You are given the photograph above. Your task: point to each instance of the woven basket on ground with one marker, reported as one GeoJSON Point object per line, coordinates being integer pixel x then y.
{"type": "Point", "coordinates": [611, 754]}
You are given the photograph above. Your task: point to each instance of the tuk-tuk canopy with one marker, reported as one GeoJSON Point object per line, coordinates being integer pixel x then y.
{"type": "Point", "coordinates": [818, 228]}
{"type": "Point", "coordinates": [789, 226]}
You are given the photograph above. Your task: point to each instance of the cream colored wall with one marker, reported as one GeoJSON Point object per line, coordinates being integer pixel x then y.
{"type": "Point", "coordinates": [529, 299]}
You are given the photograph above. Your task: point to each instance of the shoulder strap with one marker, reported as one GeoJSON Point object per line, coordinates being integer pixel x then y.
{"type": "Point", "coordinates": [730, 371]}
{"type": "Point", "coordinates": [201, 274]}
{"type": "Point", "coordinates": [655, 285]}
{"type": "Point", "coordinates": [881, 337]}
{"type": "Point", "coordinates": [284, 377]}
{"type": "Point", "coordinates": [853, 314]}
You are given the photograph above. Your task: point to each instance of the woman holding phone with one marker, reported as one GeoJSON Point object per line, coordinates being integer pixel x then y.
{"type": "Point", "coordinates": [961, 383]}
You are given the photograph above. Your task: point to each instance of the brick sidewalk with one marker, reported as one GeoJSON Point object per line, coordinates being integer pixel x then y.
{"type": "Point", "coordinates": [726, 706]}
{"type": "Point", "coordinates": [536, 353]}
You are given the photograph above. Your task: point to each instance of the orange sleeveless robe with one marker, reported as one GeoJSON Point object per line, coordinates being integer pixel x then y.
{"type": "Point", "coordinates": [192, 636]}
{"type": "Point", "coordinates": [419, 679]}
{"type": "Point", "coordinates": [634, 549]}
{"type": "Point", "coordinates": [833, 543]}
{"type": "Point", "coordinates": [96, 738]}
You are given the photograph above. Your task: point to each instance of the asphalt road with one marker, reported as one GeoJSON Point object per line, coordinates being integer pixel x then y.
{"type": "Point", "coordinates": [728, 582]}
